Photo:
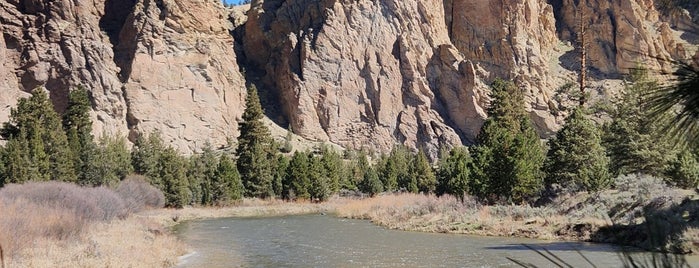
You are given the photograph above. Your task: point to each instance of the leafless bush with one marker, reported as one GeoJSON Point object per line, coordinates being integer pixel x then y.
{"type": "Point", "coordinates": [138, 194]}
{"type": "Point", "coordinates": [58, 210]}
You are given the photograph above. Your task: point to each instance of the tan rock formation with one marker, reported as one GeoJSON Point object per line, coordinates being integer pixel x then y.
{"type": "Point", "coordinates": [149, 64]}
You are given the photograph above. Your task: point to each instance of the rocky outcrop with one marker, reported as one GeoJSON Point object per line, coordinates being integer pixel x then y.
{"type": "Point", "coordinates": [360, 73]}
{"type": "Point", "coordinates": [149, 65]}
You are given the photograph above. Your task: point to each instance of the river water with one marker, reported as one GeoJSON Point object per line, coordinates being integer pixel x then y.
{"type": "Point", "coordinates": [326, 241]}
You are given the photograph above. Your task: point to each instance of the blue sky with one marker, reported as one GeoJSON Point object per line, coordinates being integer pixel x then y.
{"type": "Point", "coordinates": [232, 1]}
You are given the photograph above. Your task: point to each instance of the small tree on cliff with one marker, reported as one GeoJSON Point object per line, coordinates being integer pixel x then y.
{"type": "Point", "coordinates": [255, 150]}
{"type": "Point", "coordinates": [576, 156]}
{"type": "Point", "coordinates": [508, 156]}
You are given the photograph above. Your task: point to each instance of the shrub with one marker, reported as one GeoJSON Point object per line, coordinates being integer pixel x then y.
{"type": "Point", "coordinates": [138, 194]}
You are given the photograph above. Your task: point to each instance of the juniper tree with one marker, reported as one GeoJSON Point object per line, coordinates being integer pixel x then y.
{"type": "Point", "coordinates": [164, 167]}
{"type": "Point", "coordinates": [78, 128]}
{"type": "Point", "coordinates": [255, 149]}
{"type": "Point", "coordinates": [576, 157]}
{"type": "Point", "coordinates": [226, 186]}
{"type": "Point", "coordinates": [684, 170]}
{"type": "Point", "coordinates": [371, 184]}
{"type": "Point", "coordinates": [112, 162]}
{"type": "Point", "coordinates": [394, 169]}
{"type": "Point", "coordinates": [280, 174]}
{"type": "Point", "coordinates": [508, 156]}
{"type": "Point", "coordinates": [421, 170]}
{"type": "Point", "coordinates": [632, 138]}
{"type": "Point", "coordinates": [332, 168]}
{"type": "Point", "coordinates": [38, 147]}
{"type": "Point", "coordinates": [201, 171]}
{"type": "Point", "coordinates": [318, 189]}
{"type": "Point", "coordinates": [453, 175]}
{"type": "Point", "coordinates": [297, 180]}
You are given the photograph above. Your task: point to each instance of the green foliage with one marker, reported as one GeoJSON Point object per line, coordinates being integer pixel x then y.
{"type": "Point", "coordinates": [454, 174]}
{"type": "Point", "coordinates": [421, 171]}
{"type": "Point", "coordinates": [633, 140]}
{"type": "Point", "coordinates": [226, 185]}
{"type": "Point", "coordinates": [78, 128]}
{"type": "Point", "coordinates": [319, 186]}
{"type": "Point", "coordinates": [255, 150]}
{"type": "Point", "coordinates": [332, 166]}
{"type": "Point", "coordinates": [371, 184]}
{"type": "Point", "coordinates": [576, 157]}
{"type": "Point", "coordinates": [393, 169]}
{"type": "Point", "coordinates": [200, 173]}
{"type": "Point", "coordinates": [111, 164]}
{"type": "Point", "coordinates": [297, 180]}
{"type": "Point", "coordinates": [37, 147]}
{"type": "Point", "coordinates": [280, 174]}
{"type": "Point", "coordinates": [508, 157]}
{"type": "Point", "coordinates": [287, 147]}
{"type": "Point", "coordinates": [164, 167]}
{"type": "Point", "coordinates": [684, 171]}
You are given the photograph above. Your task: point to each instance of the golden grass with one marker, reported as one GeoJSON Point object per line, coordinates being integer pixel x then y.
{"type": "Point", "coordinates": [428, 213]}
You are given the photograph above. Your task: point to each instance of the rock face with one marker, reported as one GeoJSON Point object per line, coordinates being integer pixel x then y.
{"type": "Point", "coordinates": [360, 73]}
{"type": "Point", "coordinates": [148, 64]}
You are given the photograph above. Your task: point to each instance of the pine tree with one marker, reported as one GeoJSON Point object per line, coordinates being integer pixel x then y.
{"type": "Point", "coordinates": [297, 180]}
{"type": "Point", "coordinates": [576, 157]}
{"type": "Point", "coordinates": [684, 170]}
{"type": "Point", "coordinates": [453, 176]}
{"type": "Point", "coordinates": [201, 171]}
{"type": "Point", "coordinates": [508, 157]}
{"type": "Point", "coordinates": [112, 162]}
{"type": "Point", "coordinates": [421, 170]}
{"type": "Point", "coordinates": [332, 168]}
{"type": "Point", "coordinates": [318, 189]}
{"type": "Point", "coordinates": [226, 186]}
{"type": "Point", "coordinates": [371, 184]}
{"type": "Point", "coordinates": [78, 128]}
{"type": "Point", "coordinates": [164, 167]}
{"type": "Point", "coordinates": [632, 138]}
{"type": "Point", "coordinates": [280, 174]}
{"type": "Point", "coordinates": [38, 145]}
{"type": "Point", "coordinates": [394, 168]}
{"type": "Point", "coordinates": [255, 149]}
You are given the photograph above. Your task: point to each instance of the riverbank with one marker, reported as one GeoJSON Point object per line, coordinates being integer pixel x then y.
{"type": "Point", "coordinates": [643, 212]}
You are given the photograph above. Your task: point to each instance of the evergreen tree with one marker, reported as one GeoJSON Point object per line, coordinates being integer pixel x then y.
{"type": "Point", "coordinates": [394, 169]}
{"type": "Point", "coordinates": [421, 170]}
{"type": "Point", "coordinates": [164, 167]}
{"type": "Point", "coordinates": [319, 187]}
{"type": "Point", "coordinates": [371, 184]}
{"type": "Point", "coordinates": [173, 178]}
{"type": "Point", "coordinates": [332, 168]}
{"type": "Point", "coordinates": [453, 176]}
{"type": "Point", "coordinates": [112, 162]}
{"type": "Point", "coordinates": [684, 170]}
{"type": "Point", "coordinates": [38, 147]}
{"type": "Point", "coordinates": [78, 128]}
{"type": "Point", "coordinates": [226, 185]}
{"type": "Point", "coordinates": [255, 149]}
{"type": "Point", "coordinates": [632, 138]}
{"type": "Point", "coordinates": [508, 157]}
{"type": "Point", "coordinates": [201, 172]}
{"type": "Point", "coordinates": [280, 174]}
{"type": "Point", "coordinates": [297, 179]}
{"type": "Point", "coordinates": [576, 157]}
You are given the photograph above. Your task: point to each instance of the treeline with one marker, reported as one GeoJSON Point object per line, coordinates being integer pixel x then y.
{"type": "Point", "coordinates": [508, 163]}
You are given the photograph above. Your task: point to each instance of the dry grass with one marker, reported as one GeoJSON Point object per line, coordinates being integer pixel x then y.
{"type": "Point", "coordinates": [53, 224]}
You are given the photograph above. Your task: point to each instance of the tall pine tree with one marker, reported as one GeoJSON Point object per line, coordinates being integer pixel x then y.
{"type": "Point", "coordinates": [633, 141]}
{"type": "Point", "coordinates": [576, 157]}
{"type": "Point", "coordinates": [508, 157]}
{"type": "Point", "coordinates": [256, 159]}
{"type": "Point", "coordinates": [78, 127]}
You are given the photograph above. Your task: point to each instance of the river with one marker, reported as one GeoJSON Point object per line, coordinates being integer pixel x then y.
{"type": "Point", "coordinates": [326, 241]}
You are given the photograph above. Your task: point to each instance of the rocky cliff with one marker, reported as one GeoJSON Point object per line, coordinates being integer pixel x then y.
{"type": "Point", "coordinates": [360, 73]}
{"type": "Point", "coordinates": [150, 65]}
